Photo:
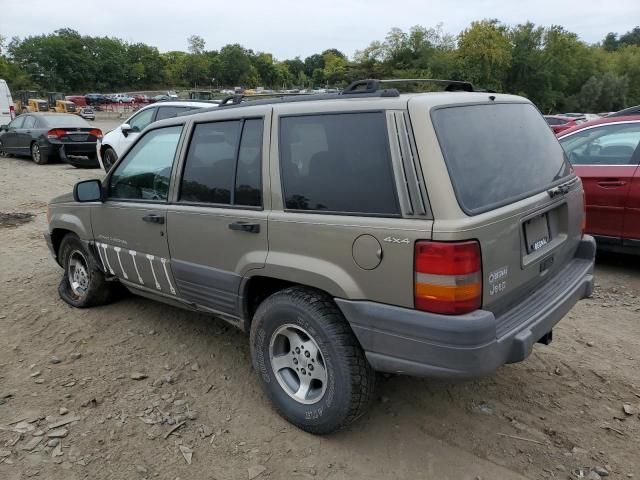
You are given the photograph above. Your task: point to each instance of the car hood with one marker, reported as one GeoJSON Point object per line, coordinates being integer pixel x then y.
{"type": "Point", "coordinates": [66, 198]}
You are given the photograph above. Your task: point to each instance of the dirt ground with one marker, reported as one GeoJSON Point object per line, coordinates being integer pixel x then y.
{"type": "Point", "coordinates": [560, 414]}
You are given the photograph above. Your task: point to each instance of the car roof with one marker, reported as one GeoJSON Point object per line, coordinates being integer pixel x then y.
{"type": "Point", "coordinates": [334, 102]}
{"type": "Point", "coordinates": [599, 121]}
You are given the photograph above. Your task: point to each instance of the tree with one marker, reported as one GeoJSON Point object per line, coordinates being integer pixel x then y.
{"type": "Point", "coordinates": [234, 65]}
{"type": "Point", "coordinates": [484, 54]}
{"type": "Point", "coordinates": [602, 93]}
{"type": "Point", "coordinates": [196, 44]}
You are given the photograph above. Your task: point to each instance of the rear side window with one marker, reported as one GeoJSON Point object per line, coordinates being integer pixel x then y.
{"type": "Point", "coordinates": [498, 154]}
{"type": "Point", "coordinates": [337, 163]}
{"type": "Point", "coordinates": [223, 164]}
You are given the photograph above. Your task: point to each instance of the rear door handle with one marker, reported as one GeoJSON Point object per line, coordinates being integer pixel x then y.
{"type": "Point", "coordinates": [153, 218]}
{"type": "Point", "coordinates": [245, 227]}
{"type": "Point", "coordinates": [612, 183]}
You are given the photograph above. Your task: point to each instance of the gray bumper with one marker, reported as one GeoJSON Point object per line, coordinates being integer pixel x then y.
{"type": "Point", "coordinates": [402, 340]}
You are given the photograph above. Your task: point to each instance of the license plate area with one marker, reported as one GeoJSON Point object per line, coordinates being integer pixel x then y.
{"type": "Point", "coordinates": [536, 233]}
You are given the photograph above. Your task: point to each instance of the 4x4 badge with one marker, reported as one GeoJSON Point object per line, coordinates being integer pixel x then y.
{"type": "Point", "coordinates": [396, 240]}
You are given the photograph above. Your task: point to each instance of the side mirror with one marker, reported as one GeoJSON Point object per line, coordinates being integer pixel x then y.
{"type": "Point", "coordinates": [126, 129]}
{"type": "Point", "coordinates": [88, 191]}
{"type": "Point", "coordinates": [4, 128]}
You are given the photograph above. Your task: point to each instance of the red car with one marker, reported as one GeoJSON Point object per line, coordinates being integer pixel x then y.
{"type": "Point", "coordinates": [558, 123]}
{"type": "Point", "coordinates": [79, 100]}
{"type": "Point", "coordinates": [606, 155]}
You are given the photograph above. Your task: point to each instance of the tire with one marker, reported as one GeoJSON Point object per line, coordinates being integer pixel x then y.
{"type": "Point", "coordinates": [37, 155]}
{"type": "Point", "coordinates": [3, 152]}
{"type": "Point", "coordinates": [109, 157]}
{"type": "Point", "coordinates": [310, 318]}
{"type": "Point", "coordinates": [89, 287]}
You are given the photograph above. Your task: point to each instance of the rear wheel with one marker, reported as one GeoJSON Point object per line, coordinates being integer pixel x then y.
{"type": "Point", "coordinates": [37, 155]}
{"type": "Point", "coordinates": [83, 284]}
{"type": "Point", "coordinates": [109, 158]}
{"type": "Point", "coordinates": [309, 362]}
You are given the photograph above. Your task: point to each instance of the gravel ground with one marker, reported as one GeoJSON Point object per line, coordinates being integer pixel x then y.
{"type": "Point", "coordinates": [117, 379]}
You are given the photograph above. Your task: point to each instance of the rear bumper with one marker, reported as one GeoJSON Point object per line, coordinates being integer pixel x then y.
{"type": "Point", "coordinates": [69, 153]}
{"type": "Point", "coordinates": [402, 340]}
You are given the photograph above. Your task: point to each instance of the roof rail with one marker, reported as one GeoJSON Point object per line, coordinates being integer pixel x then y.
{"type": "Point", "coordinates": [372, 85]}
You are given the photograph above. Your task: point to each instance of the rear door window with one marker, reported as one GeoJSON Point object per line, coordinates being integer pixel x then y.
{"type": "Point", "coordinates": [497, 154]}
{"type": "Point", "coordinates": [223, 164]}
{"type": "Point", "coordinates": [29, 122]}
{"type": "Point", "coordinates": [337, 163]}
{"type": "Point", "coordinates": [169, 112]}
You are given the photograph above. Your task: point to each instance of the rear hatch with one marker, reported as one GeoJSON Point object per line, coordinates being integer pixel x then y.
{"type": "Point", "coordinates": [516, 195]}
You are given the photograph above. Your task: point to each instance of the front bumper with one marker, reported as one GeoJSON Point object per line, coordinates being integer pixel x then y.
{"type": "Point", "coordinates": [402, 340]}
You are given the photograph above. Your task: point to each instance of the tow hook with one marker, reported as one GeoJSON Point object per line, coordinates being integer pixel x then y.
{"type": "Point", "coordinates": [546, 338]}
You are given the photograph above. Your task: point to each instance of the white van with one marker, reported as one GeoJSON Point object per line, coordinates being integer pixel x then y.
{"type": "Point", "coordinates": [7, 109]}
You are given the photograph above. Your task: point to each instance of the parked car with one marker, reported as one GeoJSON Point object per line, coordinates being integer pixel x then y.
{"type": "Point", "coordinates": [7, 108]}
{"type": "Point", "coordinates": [140, 98]}
{"type": "Point", "coordinates": [87, 113]}
{"type": "Point", "coordinates": [79, 100]}
{"type": "Point", "coordinates": [117, 140]}
{"type": "Point", "coordinates": [605, 154]}
{"type": "Point", "coordinates": [308, 222]}
{"type": "Point", "coordinates": [122, 98]}
{"type": "Point", "coordinates": [95, 99]}
{"type": "Point", "coordinates": [627, 112]}
{"type": "Point", "coordinates": [47, 136]}
{"type": "Point", "coordinates": [558, 123]}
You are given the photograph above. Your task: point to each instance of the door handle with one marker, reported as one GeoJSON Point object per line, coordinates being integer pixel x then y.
{"type": "Point", "coordinates": [612, 183]}
{"type": "Point", "coordinates": [245, 227]}
{"type": "Point", "coordinates": [153, 218]}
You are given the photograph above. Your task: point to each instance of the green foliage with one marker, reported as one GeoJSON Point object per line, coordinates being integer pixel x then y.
{"type": "Point", "coordinates": [549, 65]}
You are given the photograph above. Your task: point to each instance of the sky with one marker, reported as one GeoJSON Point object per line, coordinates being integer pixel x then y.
{"type": "Point", "coordinates": [290, 28]}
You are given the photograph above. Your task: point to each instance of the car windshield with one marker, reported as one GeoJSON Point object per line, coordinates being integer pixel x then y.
{"type": "Point", "coordinates": [65, 121]}
{"type": "Point", "coordinates": [498, 153]}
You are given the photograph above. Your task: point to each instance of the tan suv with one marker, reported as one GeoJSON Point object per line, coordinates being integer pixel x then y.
{"type": "Point", "coordinates": [433, 234]}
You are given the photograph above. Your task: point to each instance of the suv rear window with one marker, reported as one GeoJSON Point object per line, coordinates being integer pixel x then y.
{"type": "Point", "coordinates": [498, 154]}
{"type": "Point", "coordinates": [337, 163]}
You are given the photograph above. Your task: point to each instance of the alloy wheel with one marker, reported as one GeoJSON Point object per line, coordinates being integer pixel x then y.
{"type": "Point", "coordinates": [78, 273]}
{"type": "Point", "coordinates": [298, 364]}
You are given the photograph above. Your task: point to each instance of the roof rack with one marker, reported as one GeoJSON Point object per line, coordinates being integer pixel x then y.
{"type": "Point", "coordinates": [371, 85]}
{"type": "Point", "coordinates": [358, 89]}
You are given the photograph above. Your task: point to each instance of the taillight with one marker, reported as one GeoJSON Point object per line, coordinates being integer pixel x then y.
{"type": "Point", "coordinates": [96, 132]}
{"type": "Point", "coordinates": [12, 112]}
{"type": "Point", "coordinates": [448, 277]}
{"type": "Point", "coordinates": [56, 133]}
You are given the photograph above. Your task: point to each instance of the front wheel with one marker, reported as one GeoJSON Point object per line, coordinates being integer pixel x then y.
{"type": "Point", "coordinates": [3, 152]}
{"type": "Point", "coordinates": [109, 158]}
{"type": "Point", "coordinates": [37, 155]}
{"type": "Point", "coordinates": [83, 283]}
{"type": "Point", "coordinates": [309, 362]}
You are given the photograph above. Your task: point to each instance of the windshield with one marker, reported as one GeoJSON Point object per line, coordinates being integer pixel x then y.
{"type": "Point", "coordinates": [498, 153]}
